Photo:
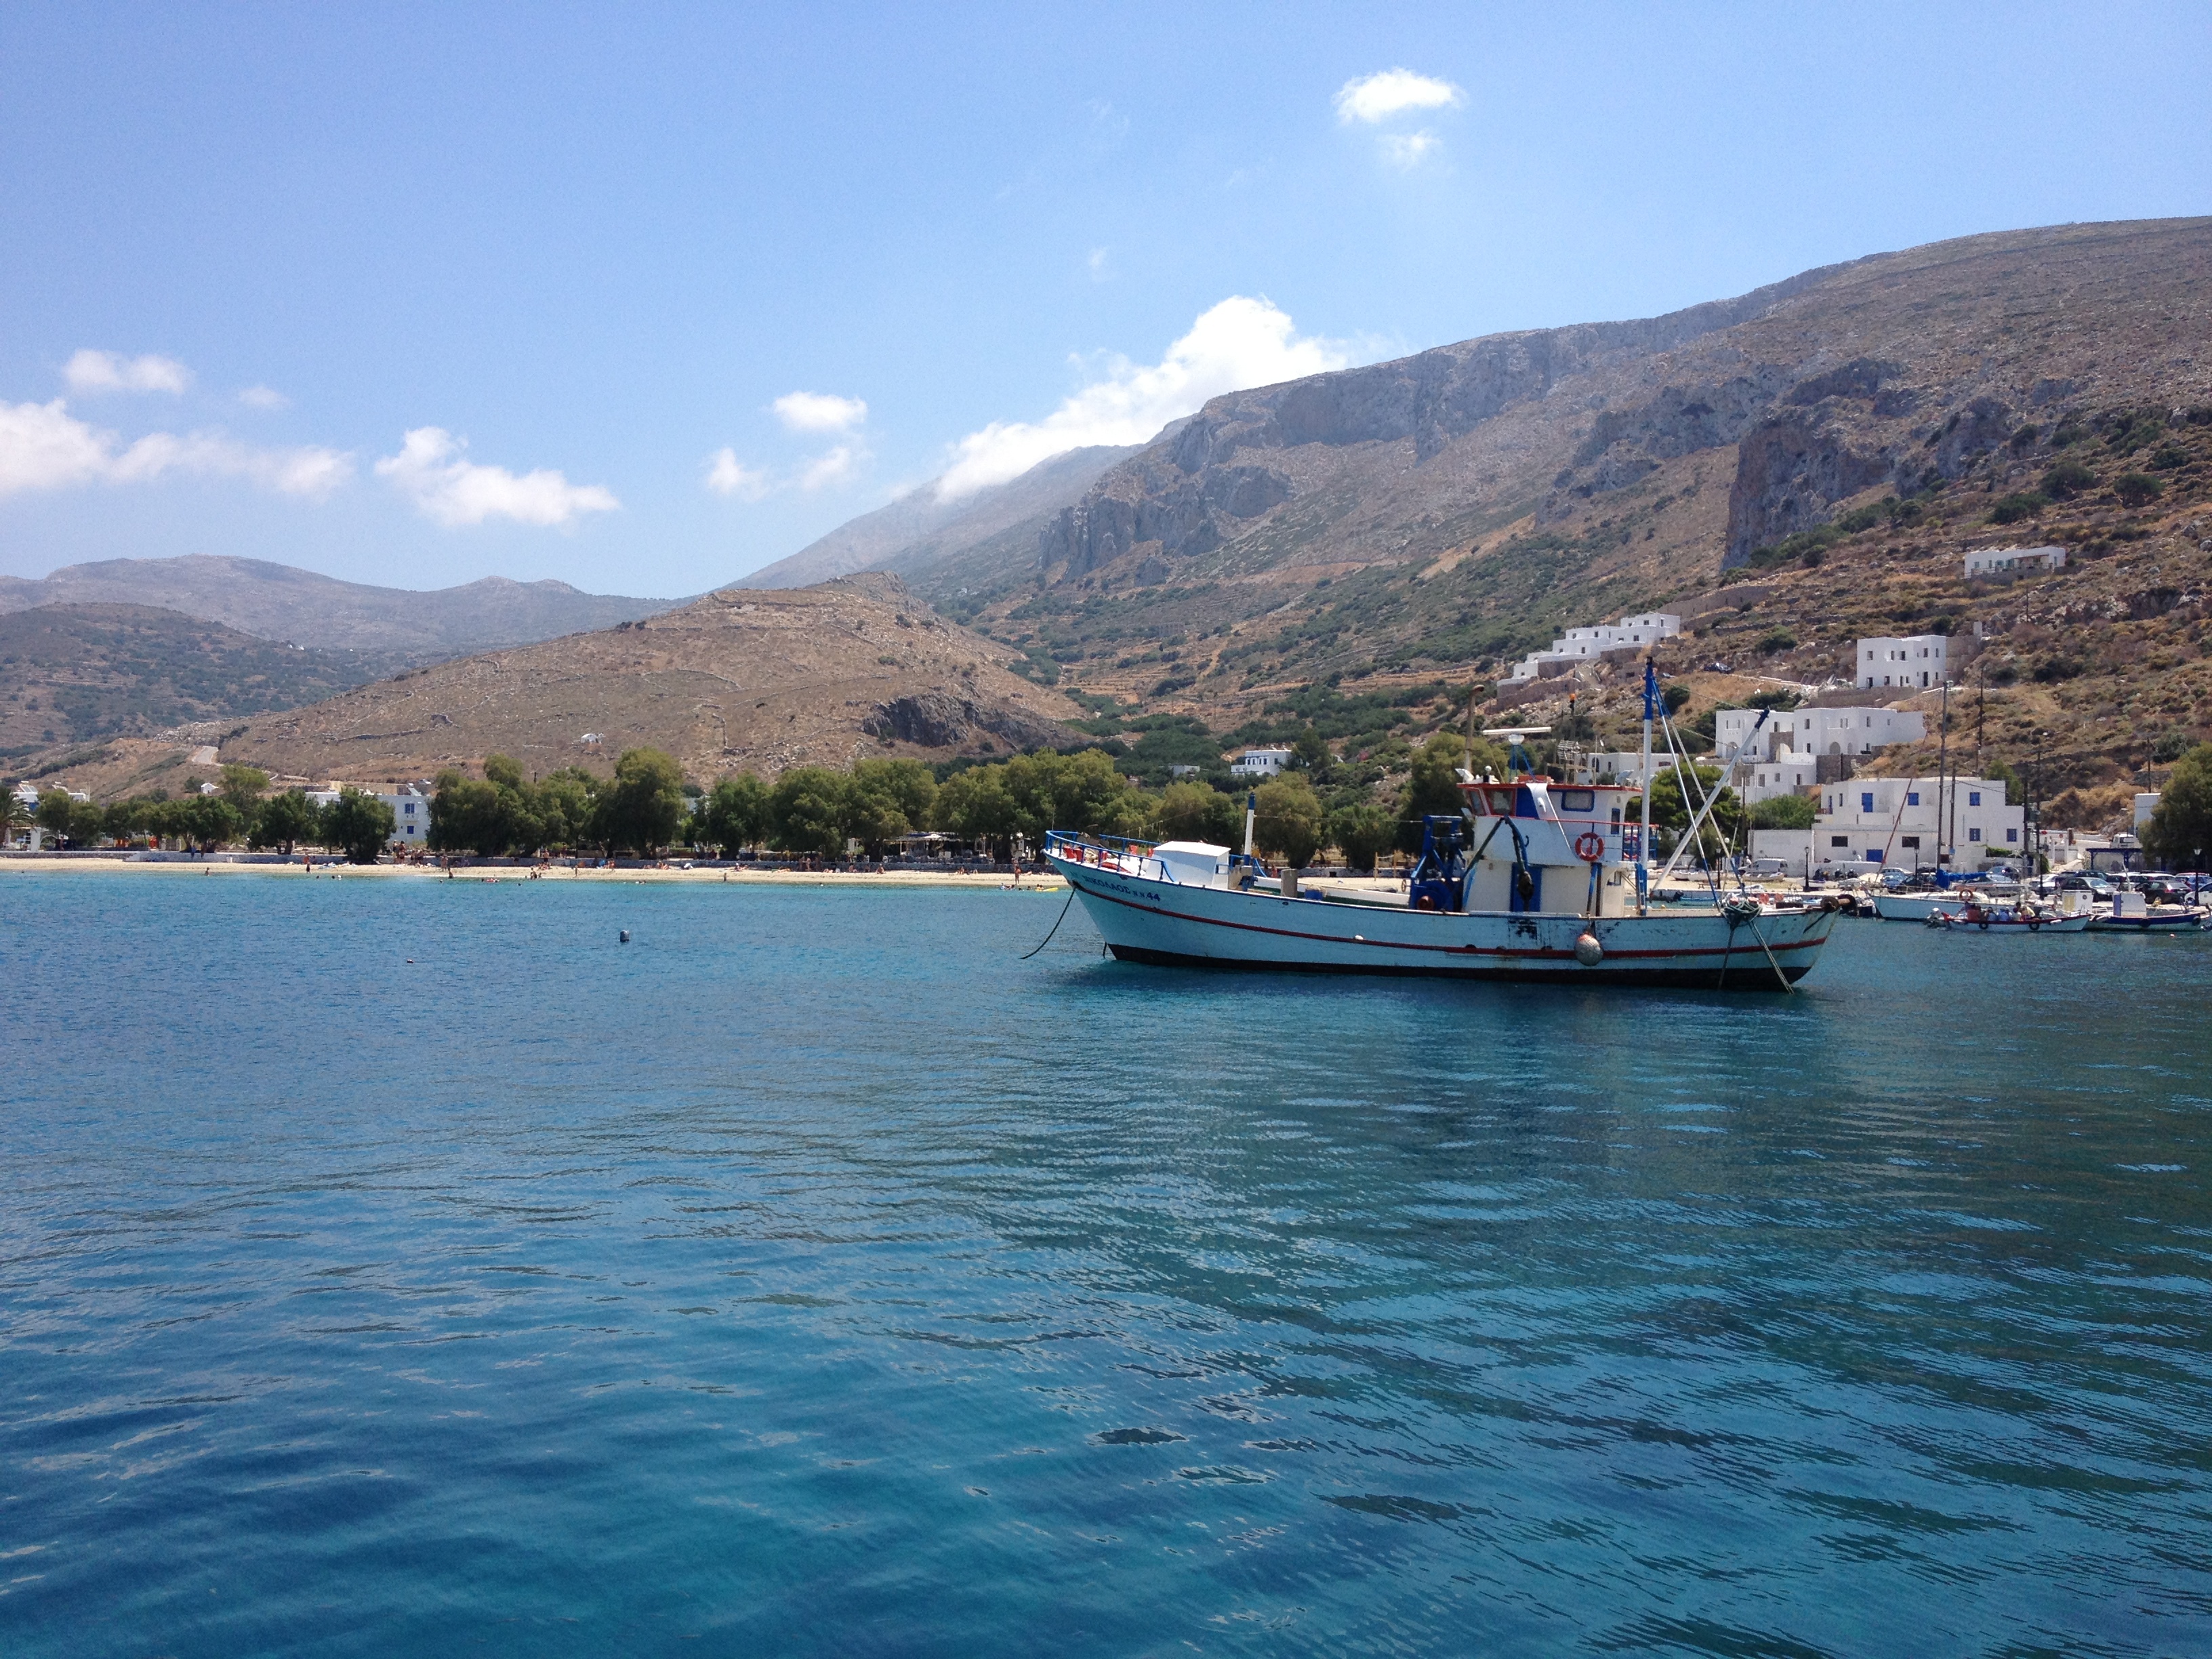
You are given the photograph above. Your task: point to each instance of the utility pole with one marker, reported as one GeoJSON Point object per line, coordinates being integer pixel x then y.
{"type": "Point", "coordinates": [1942, 768]}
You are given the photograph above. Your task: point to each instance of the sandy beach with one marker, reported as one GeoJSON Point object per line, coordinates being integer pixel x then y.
{"type": "Point", "coordinates": [334, 869]}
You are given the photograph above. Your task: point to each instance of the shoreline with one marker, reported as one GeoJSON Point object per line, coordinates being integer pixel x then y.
{"type": "Point", "coordinates": [21, 863]}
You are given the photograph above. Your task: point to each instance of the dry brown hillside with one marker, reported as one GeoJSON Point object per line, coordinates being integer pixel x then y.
{"type": "Point", "coordinates": [737, 680]}
{"type": "Point", "coordinates": [1449, 510]}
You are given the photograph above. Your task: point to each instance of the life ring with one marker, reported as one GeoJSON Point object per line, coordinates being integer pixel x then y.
{"type": "Point", "coordinates": [1590, 847]}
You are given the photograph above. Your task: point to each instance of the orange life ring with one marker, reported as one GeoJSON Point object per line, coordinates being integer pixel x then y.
{"type": "Point", "coordinates": [1589, 846]}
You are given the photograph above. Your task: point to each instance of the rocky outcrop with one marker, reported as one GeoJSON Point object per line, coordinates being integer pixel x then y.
{"type": "Point", "coordinates": [938, 720]}
{"type": "Point", "coordinates": [1788, 472]}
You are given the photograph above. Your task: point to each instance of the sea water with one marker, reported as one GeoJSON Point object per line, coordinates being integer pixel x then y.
{"type": "Point", "coordinates": [403, 1266]}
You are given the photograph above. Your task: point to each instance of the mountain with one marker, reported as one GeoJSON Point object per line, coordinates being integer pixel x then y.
{"type": "Point", "coordinates": [920, 529]}
{"type": "Point", "coordinates": [78, 673]}
{"type": "Point", "coordinates": [740, 680]}
{"type": "Point", "coordinates": [280, 602]}
{"type": "Point", "coordinates": [1446, 511]}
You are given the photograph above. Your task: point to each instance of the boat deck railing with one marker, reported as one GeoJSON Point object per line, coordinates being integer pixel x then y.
{"type": "Point", "coordinates": [1124, 856]}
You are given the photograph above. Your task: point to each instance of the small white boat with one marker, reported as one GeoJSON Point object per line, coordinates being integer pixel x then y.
{"type": "Point", "coordinates": [1915, 907]}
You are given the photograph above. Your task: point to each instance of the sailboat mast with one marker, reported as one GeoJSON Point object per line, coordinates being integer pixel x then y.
{"type": "Point", "coordinates": [1942, 776]}
{"type": "Point", "coordinates": [1644, 829]}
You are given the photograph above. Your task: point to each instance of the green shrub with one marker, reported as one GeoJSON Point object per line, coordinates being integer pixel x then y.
{"type": "Point", "coordinates": [2020, 505]}
{"type": "Point", "coordinates": [1676, 697]}
{"type": "Point", "coordinates": [1777, 639]}
{"type": "Point", "coordinates": [2067, 480]}
{"type": "Point", "coordinates": [1785, 812]}
{"type": "Point", "coordinates": [2169, 458]}
{"type": "Point", "coordinates": [2137, 489]}
{"type": "Point", "coordinates": [2067, 432]}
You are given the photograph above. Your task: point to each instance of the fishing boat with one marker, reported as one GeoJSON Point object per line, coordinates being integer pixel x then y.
{"type": "Point", "coordinates": [2130, 913]}
{"type": "Point", "coordinates": [1914, 906]}
{"type": "Point", "coordinates": [1534, 880]}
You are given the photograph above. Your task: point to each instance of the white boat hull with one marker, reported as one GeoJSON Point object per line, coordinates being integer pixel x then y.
{"type": "Point", "coordinates": [1161, 922]}
{"type": "Point", "coordinates": [1915, 907]}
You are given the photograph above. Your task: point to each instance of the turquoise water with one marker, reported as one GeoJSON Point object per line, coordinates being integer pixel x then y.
{"type": "Point", "coordinates": [811, 1276]}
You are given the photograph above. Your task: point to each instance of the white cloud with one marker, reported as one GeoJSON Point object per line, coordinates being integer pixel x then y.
{"type": "Point", "coordinates": [1374, 98]}
{"type": "Point", "coordinates": [1240, 343]}
{"type": "Point", "coordinates": [727, 476]}
{"type": "Point", "coordinates": [44, 447]}
{"type": "Point", "coordinates": [835, 467]}
{"type": "Point", "coordinates": [430, 470]}
{"type": "Point", "coordinates": [264, 396]}
{"type": "Point", "coordinates": [1101, 271]}
{"type": "Point", "coordinates": [111, 371]}
{"type": "Point", "coordinates": [820, 411]}
{"type": "Point", "coordinates": [1409, 149]}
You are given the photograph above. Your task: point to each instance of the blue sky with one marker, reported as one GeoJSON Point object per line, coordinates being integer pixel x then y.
{"type": "Point", "coordinates": [645, 297]}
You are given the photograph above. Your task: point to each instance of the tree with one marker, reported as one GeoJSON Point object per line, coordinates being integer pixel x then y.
{"type": "Point", "coordinates": [1198, 812]}
{"type": "Point", "coordinates": [1785, 812]}
{"type": "Point", "coordinates": [1433, 784]}
{"type": "Point", "coordinates": [2001, 772]}
{"type": "Point", "coordinates": [807, 810]}
{"type": "Point", "coordinates": [1671, 811]}
{"type": "Point", "coordinates": [565, 802]}
{"type": "Point", "coordinates": [733, 814]}
{"type": "Point", "coordinates": [2179, 833]}
{"type": "Point", "coordinates": [885, 798]}
{"type": "Point", "coordinates": [285, 819]}
{"type": "Point", "coordinates": [1675, 697]}
{"type": "Point", "coordinates": [1360, 832]}
{"type": "Point", "coordinates": [977, 805]}
{"type": "Point", "coordinates": [1288, 822]}
{"type": "Point", "coordinates": [644, 804]}
{"type": "Point", "coordinates": [1084, 791]}
{"type": "Point", "coordinates": [2137, 489]}
{"type": "Point", "coordinates": [359, 824]}
{"type": "Point", "coordinates": [241, 785]}
{"type": "Point", "coordinates": [208, 822]}
{"type": "Point", "coordinates": [56, 814]}
{"type": "Point", "coordinates": [1312, 750]}
{"type": "Point", "coordinates": [14, 813]}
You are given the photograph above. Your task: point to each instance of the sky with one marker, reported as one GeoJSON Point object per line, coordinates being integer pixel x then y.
{"type": "Point", "coordinates": [644, 297]}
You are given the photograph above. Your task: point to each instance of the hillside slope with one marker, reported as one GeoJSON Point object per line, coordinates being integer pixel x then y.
{"type": "Point", "coordinates": [1450, 509]}
{"type": "Point", "coordinates": [298, 607]}
{"type": "Point", "coordinates": [921, 529]}
{"type": "Point", "coordinates": [737, 680]}
{"type": "Point", "coordinates": [77, 674]}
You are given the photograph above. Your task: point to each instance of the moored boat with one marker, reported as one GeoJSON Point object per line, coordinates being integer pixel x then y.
{"type": "Point", "coordinates": [1981, 915]}
{"type": "Point", "coordinates": [2130, 913]}
{"type": "Point", "coordinates": [1536, 880]}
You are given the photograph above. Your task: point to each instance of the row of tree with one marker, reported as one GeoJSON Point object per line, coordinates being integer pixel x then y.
{"type": "Point", "coordinates": [356, 822]}
{"type": "Point", "coordinates": [646, 807]}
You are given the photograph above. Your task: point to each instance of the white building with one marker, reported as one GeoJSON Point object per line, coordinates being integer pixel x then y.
{"type": "Point", "coordinates": [1782, 757]}
{"type": "Point", "coordinates": [410, 818]}
{"type": "Point", "coordinates": [2000, 560]}
{"type": "Point", "coordinates": [1581, 645]}
{"type": "Point", "coordinates": [2145, 805]}
{"type": "Point", "coordinates": [1895, 821]}
{"type": "Point", "coordinates": [1261, 763]}
{"type": "Point", "coordinates": [1916, 662]}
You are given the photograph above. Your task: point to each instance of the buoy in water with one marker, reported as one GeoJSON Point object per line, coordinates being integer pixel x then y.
{"type": "Point", "coordinates": [625, 936]}
{"type": "Point", "coordinates": [1588, 951]}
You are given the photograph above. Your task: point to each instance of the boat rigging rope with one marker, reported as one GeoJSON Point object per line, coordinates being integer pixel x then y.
{"type": "Point", "coordinates": [1056, 921]}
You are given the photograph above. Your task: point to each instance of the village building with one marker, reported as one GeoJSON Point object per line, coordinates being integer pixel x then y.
{"type": "Point", "coordinates": [1914, 664]}
{"type": "Point", "coordinates": [1260, 762]}
{"type": "Point", "coordinates": [1581, 645]}
{"type": "Point", "coordinates": [2010, 561]}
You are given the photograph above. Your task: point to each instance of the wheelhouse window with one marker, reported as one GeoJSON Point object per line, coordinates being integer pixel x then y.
{"type": "Point", "coordinates": [1576, 800]}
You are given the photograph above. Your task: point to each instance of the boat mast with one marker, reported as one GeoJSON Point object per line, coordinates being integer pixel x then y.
{"type": "Point", "coordinates": [1251, 811]}
{"type": "Point", "coordinates": [1643, 828]}
{"type": "Point", "coordinates": [1942, 773]}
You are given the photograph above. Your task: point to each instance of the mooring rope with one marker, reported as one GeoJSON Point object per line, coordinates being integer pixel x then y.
{"type": "Point", "coordinates": [1056, 921]}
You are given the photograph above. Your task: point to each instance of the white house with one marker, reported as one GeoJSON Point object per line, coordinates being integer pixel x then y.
{"type": "Point", "coordinates": [1916, 662]}
{"type": "Point", "coordinates": [410, 818]}
{"type": "Point", "coordinates": [1782, 757]}
{"type": "Point", "coordinates": [1580, 645]}
{"type": "Point", "coordinates": [1897, 821]}
{"type": "Point", "coordinates": [1261, 763]}
{"type": "Point", "coordinates": [1999, 560]}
